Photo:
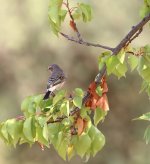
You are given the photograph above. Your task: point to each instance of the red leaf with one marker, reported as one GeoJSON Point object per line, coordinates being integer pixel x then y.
{"type": "Point", "coordinates": [73, 25]}
{"type": "Point", "coordinates": [95, 100]}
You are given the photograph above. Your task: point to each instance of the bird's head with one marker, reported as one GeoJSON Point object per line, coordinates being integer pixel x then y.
{"type": "Point", "coordinates": [52, 67]}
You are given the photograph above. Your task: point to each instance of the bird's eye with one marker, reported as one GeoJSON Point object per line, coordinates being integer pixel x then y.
{"type": "Point", "coordinates": [50, 68]}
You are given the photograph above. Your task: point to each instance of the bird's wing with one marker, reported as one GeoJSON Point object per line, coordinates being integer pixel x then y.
{"type": "Point", "coordinates": [55, 80]}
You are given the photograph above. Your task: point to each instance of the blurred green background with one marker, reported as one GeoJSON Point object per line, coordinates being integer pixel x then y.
{"type": "Point", "coordinates": [27, 47]}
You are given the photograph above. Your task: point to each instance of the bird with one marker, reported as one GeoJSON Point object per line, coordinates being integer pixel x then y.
{"type": "Point", "coordinates": [55, 80]}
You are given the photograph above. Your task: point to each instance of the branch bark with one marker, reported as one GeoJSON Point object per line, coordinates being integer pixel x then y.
{"type": "Point", "coordinates": [70, 38]}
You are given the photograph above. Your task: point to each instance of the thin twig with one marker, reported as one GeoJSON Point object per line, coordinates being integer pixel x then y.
{"type": "Point", "coordinates": [85, 42]}
{"type": "Point", "coordinates": [80, 40]}
{"type": "Point", "coordinates": [76, 29]}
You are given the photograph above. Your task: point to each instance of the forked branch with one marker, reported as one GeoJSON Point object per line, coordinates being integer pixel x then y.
{"type": "Point", "coordinates": [132, 34]}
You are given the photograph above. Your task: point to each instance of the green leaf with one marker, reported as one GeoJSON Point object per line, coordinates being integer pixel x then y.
{"type": "Point", "coordinates": [97, 138]}
{"type": "Point", "coordinates": [121, 56]}
{"type": "Point", "coordinates": [59, 96]}
{"type": "Point", "coordinates": [147, 2]}
{"type": "Point", "coordinates": [77, 101]}
{"type": "Point", "coordinates": [1, 133]}
{"type": "Point", "coordinates": [28, 106]}
{"type": "Point", "coordinates": [133, 61]}
{"type": "Point", "coordinates": [62, 14]}
{"type": "Point", "coordinates": [145, 10]}
{"type": "Point", "coordinates": [99, 115]}
{"type": "Point", "coordinates": [77, 14]}
{"type": "Point", "coordinates": [4, 132]}
{"type": "Point", "coordinates": [111, 64]}
{"type": "Point", "coordinates": [143, 62]}
{"type": "Point", "coordinates": [83, 144]}
{"type": "Point", "coordinates": [62, 145]}
{"type": "Point", "coordinates": [144, 67]}
{"type": "Point", "coordinates": [103, 58]}
{"type": "Point", "coordinates": [79, 92]}
{"type": "Point", "coordinates": [145, 73]}
{"type": "Point", "coordinates": [45, 132]}
{"type": "Point", "coordinates": [146, 87]}
{"type": "Point", "coordinates": [53, 14]}
{"type": "Point", "coordinates": [145, 116]}
{"type": "Point", "coordinates": [14, 129]}
{"type": "Point", "coordinates": [84, 112]}
{"type": "Point", "coordinates": [86, 11]}
{"type": "Point", "coordinates": [38, 99]}
{"type": "Point", "coordinates": [54, 7]}
{"type": "Point", "coordinates": [116, 65]}
{"type": "Point", "coordinates": [55, 27]}
{"type": "Point", "coordinates": [147, 135]}
{"type": "Point", "coordinates": [64, 108]}
{"type": "Point", "coordinates": [147, 50]}
{"type": "Point", "coordinates": [70, 152]}
{"type": "Point", "coordinates": [41, 120]}
{"type": "Point", "coordinates": [53, 132]}
{"type": "Point", "coordinates": [42, 135]}
{"type": "Point", "coordinates": [28, 129]}
{"type": "Point", "coordinates": [46, 105]}
{"type": "Point", "coordinates": [122, 69]}
{"type": "Point", "coordinates": [99, 91]}
{"type": "Point", "coordinates": [54, 129]}
{"type": "Point", "coordinates": [56, 15]}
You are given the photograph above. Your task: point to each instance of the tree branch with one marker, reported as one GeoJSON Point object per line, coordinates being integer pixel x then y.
{"type": "Point", "coordinates": [85, 42]}
{"type": "Point", "coordinates": [80, 40]}
{"type": "Point", "coordinates": [133, 33]}
{"type": "Point", "coordinates": [134, 36]}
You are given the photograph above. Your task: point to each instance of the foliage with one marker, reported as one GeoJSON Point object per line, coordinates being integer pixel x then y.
{"type": "Point", "coordinates": [138, 59]}
{"type": "Point", "coordinates": [59, 9]}
{"type": "Point", "coordinates": [56, 121]}
{"type": "Point", "coordinates": [72, 135]}
{"type": "Point", "coordinates": [146, 117]}
{"type": "Point", "coordinates": [145, 10]}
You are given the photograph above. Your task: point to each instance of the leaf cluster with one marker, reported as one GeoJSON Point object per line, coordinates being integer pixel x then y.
{"type": "Point", "coordinates": [136, 59]}
{"type": "Point", "coordinates": [74, 134]}
{"type": "Point", "coordinates": [58, 11]}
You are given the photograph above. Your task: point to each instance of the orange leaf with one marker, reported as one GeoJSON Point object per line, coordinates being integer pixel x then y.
{"type": "Point", "coordinates": [94, 99]}
{"type": "Point", "coordinates": [80, 125]}
{"type": "Point", "coordinates": [85, 124]}
{"type": "Point", "coordinates": [104, 85]}
{"type": "Point", "coordinates": [103, 103]}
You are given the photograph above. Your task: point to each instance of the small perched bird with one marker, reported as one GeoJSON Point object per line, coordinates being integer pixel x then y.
{"type": "Point", "coordinates": [55, 81]}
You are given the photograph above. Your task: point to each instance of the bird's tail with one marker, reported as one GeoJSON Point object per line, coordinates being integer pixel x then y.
{"type": "Point", "coordinates": [47, 95]}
